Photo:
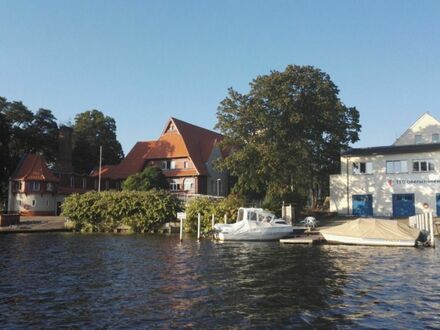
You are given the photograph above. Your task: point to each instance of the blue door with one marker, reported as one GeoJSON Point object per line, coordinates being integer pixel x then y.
{"type": "Point", "coordinates": [403, 205]}
{"type": "Point", "coordinates": [437, 201]}
{"type": "Point", "coordinates": [362, 205]}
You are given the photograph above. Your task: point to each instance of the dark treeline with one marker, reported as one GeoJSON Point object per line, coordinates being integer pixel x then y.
{"type": "Point", "coordinates": [23, 131]}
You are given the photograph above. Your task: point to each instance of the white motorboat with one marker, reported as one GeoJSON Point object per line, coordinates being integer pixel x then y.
{"type": "Point", "coordinates": [255, 224]}
{"type": "Point", "coordinates": [369, 231]}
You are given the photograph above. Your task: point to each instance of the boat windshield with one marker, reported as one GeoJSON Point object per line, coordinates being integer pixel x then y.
{"type": "Point", "coordinates": [265, 216]}
{"type": "Point", "coordinates": [240, 215]}
{"type": "Point", "coordinates": [252, 216]}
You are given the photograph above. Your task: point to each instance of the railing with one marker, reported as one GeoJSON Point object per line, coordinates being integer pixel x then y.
{"type": "Point", "coordinates": [187, 197]}
{"type": "Point", "coordinates": [425, 223]}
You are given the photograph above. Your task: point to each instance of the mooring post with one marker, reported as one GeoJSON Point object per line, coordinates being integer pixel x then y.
{"type": "Point", "coordinates": [431, 230]}
{"type": "Point", "coordinates": [213, 221]}
{"type": "Point", "coordinates": [181, 229]}
{"type": "Point", "coordinates": [226, 218]}
{"type": "Point", "coordinates": [198, 226]}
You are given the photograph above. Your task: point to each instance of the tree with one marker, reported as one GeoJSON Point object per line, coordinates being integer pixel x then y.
{"type": "Point", "coordinates": [287, 133]}
{"type": "Point", "coordinates": [4, 154]}
{"type": "Point", "coordinates": [90, 131]}
{"type": "Point", "coordinates": [151, 177]}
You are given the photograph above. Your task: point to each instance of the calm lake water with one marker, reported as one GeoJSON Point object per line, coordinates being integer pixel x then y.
{"type": "Point", "coordinates": [139, 281]}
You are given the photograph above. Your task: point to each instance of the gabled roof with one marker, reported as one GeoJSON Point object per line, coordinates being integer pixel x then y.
{"type": "Point", "coordinates": [33, 167]}
{"type": "Point", "coordinates": [422, 120]}
{"type": "Point", "coordinates": [198, 141]}
{"type": "Point", "coordinates": [183, 140]}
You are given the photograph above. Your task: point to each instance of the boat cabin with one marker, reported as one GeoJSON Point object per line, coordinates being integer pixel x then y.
{"type": "Point", "coordinates": [257, 214]}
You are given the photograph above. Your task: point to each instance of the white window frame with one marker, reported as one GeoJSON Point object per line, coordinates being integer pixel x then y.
{"type": "Point", "coordinates": [172, 165]}
{"type": "Point", "coordinates": [393, 168]}
{"type": "Point", "coordinates": [429, 165]}
{"type": "Point", "coordinates": [174, 185]}
{"type": "Point", "coordinates": [436, 139]}
{"type": "Point", "coordinates": [357, 166]}
{"type": "Point", "coordinates": [188, 184]}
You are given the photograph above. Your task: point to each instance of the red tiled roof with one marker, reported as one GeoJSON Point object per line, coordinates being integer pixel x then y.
{"type": "Point", "coordinates": [105, 169]}
{"type": "Point", "coordinates": [187, 140]}
{"type": "Point", "coordinates": [33, 167]}
{"type": "Point", "coordinates": [180, 172]}
{"type": "Point", "coordinates": [198, 141]}
{"type": "Point", "coordinates": [132, 163]}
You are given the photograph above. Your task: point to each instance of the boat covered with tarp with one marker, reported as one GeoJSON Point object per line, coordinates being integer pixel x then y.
{"type": "Point", "coordinates": [371, 231]}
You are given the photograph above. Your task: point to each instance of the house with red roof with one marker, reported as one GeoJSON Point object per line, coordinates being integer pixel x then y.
{"type": "Point", "coordinates": [186, 154]}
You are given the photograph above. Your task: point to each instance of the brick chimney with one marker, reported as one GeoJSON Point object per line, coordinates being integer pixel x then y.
{"type": "Point", "coordinates": [64, 163]}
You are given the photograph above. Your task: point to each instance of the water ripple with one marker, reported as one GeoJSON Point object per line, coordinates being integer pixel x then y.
{"type": "Point", "coordinates": [138, 281]}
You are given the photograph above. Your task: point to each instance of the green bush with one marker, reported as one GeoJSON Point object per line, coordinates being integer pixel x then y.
{"type": "Point", "coordinates": [207, 207]}
{"type": "Point", "coordinates": [105, 211]}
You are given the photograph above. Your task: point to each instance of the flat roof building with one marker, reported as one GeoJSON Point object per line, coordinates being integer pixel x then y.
{"type": "Point", "coordinates": [399, 180]}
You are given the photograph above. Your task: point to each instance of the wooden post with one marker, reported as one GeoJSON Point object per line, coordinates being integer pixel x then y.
{"type": "Point", "coordinates": [431, 230]}
{"type": "Point", "coordinates": [198, 226]}
{"type": "Point", "coordinates": [213, 221]}
{"type": "Point", "coordinates": [181, 229]}
{"type": "Point", "coordinates": [226, 218]}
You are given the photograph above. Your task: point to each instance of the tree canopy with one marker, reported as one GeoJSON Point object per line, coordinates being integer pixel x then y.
{"type": "Point", "coordinates": [151, 177]}
{"type": "Point", "coordinates": [287, 132]}
{"type": "Point", "coordinates": [91, 130]}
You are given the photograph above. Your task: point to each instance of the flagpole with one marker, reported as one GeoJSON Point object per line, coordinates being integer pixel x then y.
{"type": "Point", "coordinates": [100, 166]}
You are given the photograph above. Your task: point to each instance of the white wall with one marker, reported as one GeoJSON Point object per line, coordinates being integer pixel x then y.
{"type": "Point", "coordinates": [382, 185]}
{"type": "Point", "coordinates": [43, 202]}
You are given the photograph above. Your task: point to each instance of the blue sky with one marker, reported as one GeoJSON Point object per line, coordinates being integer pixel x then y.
{"type": "Point", "coordinates": [144, 61]}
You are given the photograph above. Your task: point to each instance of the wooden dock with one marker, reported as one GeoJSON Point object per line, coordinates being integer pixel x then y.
{"type": "Point", "coordinates": [303, 239]}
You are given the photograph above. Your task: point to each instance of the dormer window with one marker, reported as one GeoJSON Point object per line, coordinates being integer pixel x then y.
{"type": "Point", "coordinates": [168, 164]}
{"type": "Point", "coordinates": [435, 138]}
{"type": "Point", "coordinates": [35, 186]}
{"type": "Point", "coordinates": [417, 139]}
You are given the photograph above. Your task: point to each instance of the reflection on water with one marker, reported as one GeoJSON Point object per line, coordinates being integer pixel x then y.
{"type": "Point", "coordinates": [103, 280]}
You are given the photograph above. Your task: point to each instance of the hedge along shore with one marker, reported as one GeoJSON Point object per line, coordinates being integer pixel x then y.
{"type": "Point", "coordinates": [142, 211]}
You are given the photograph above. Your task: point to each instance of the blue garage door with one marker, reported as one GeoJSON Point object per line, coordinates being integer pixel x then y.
{"type": "Point", "coordinates": [362, 205]}
{"type": "Point", "coordinates": [403, 205]}
{"type": "Point", "coordinates": [437, 201]}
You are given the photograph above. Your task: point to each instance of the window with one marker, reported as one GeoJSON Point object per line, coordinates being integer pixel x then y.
{"type": "Point", "coordinates": [174, 185]}
{"type": "Point", "coordinates": [35, 186]}
{"type": "Point", "coordinates": [72, 182]}
{"type": "Point", "coordinates": [49, 186]}
{"type": "Point", "coordinates": [423, 166]}
{"type": "Point", "coordinates": [34, 202]}
{"type": "Point", "coordinates": [252, 216]}
{"type": "Point", "coordinates": [435, 138]}
{"type": "Point", "coordinates": [185, 164]}
{"type": "Point", "coordinates": [166, 165]}
{"type": "Point", "coordinates": [362, 167]}
{"type": "Point", "coordinates": [240, 214]}
{"type": "Point", "coordinates": [219, 187]}
{"type": "Point", "coordinates": [84, 183]}
{"type": "Point", "coordinates": [188, 184]}
{"type": "Point", "coordinates": [397, 166]}
{"type": "Point", "coordinates": [418, 139]}
{"type": "Point", "coordinates": [118, 185]}
{"type": "Point", "coordinates": [107, 184]}
{"type": "Point", "coordinates": [172, 165]}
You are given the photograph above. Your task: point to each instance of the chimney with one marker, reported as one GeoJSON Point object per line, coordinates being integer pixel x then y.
{"type": "Point", "coordinates": [64, 163]}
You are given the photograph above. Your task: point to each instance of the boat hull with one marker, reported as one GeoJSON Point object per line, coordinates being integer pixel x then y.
{"type": "Point", "coordinates": [261, 234]}
{"type": "Point", "coordinates": [337, 239]}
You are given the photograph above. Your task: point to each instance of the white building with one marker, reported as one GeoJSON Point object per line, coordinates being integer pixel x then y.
{"type": "Point", "coordinates": [393, 181]}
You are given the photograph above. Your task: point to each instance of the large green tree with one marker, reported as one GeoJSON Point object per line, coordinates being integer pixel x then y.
{"type": "Point", "coordinates": [91, 130]}
{"type": "Point", "coordinates": [287, 134]}
{"type": "Point", "coordinates": [151, 177]}
{"type": "Point", "coordinates": [4, 155]}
